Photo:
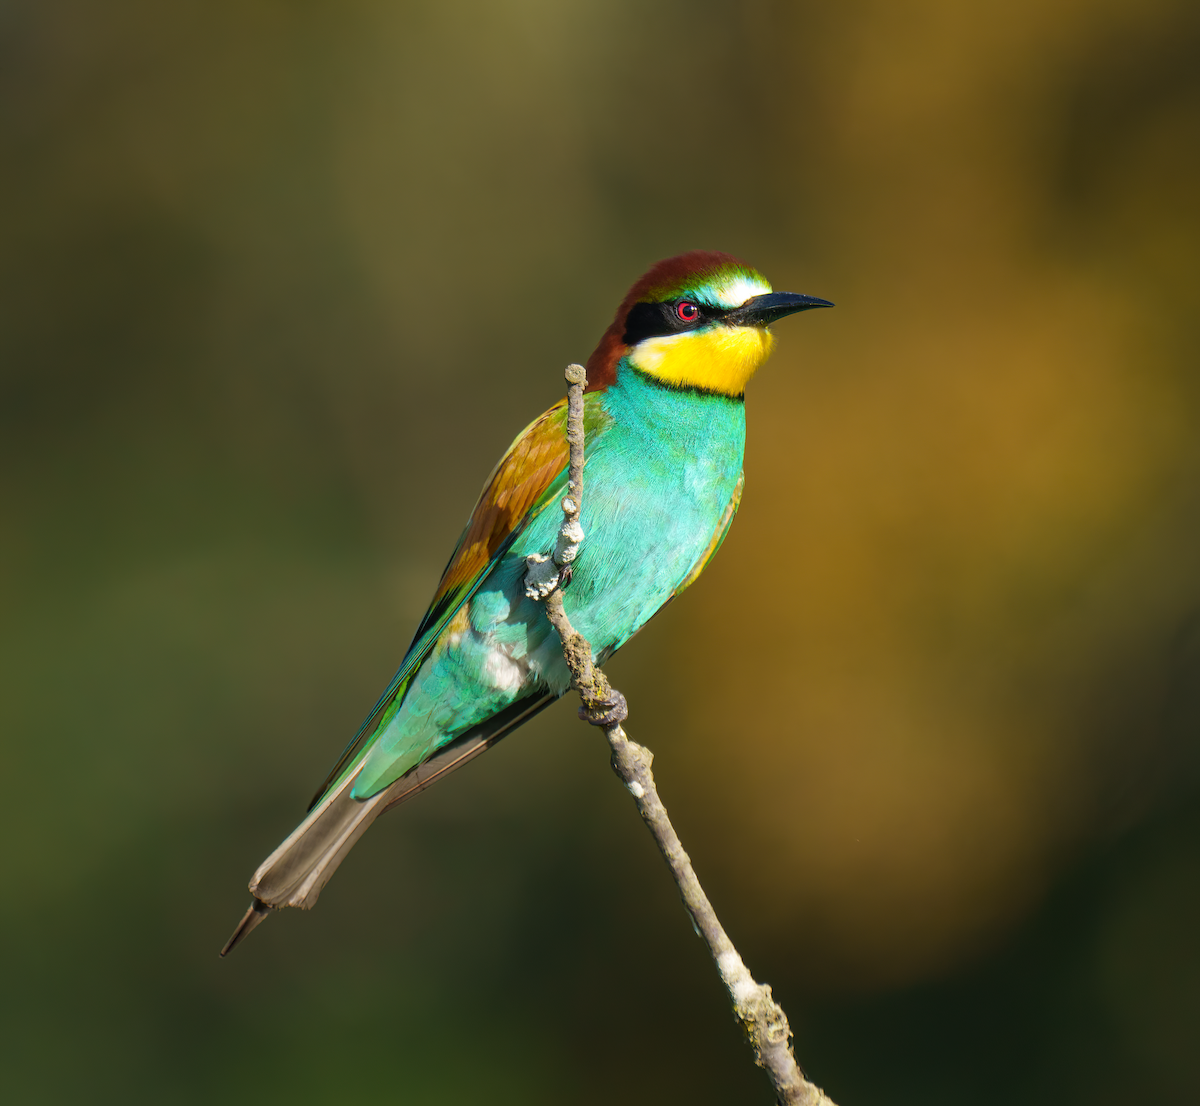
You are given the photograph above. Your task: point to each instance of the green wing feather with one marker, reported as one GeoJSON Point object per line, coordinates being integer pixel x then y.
{"type": "Point", "coordinates": [528, 477]}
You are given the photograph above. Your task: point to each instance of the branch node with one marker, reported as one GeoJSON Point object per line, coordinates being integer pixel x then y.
{"type": "Point", "coordinates": [541, 576]}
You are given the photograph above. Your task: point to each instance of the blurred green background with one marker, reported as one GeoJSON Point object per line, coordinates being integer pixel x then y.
{"type": "Point", "coordinates": [282, 280]}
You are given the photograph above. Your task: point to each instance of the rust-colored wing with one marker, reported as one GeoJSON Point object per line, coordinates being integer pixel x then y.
{"type": "Point", "coordinates": [517, 483]}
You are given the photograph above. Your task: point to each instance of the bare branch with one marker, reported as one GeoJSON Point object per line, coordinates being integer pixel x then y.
{"type": "Point", "coordinates": [543, 574]}
{"type": "Point", "coordinates": [761, 1017]}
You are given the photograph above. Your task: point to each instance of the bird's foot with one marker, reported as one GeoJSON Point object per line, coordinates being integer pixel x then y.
{"type": "Point", "coordinates": [604, 712]}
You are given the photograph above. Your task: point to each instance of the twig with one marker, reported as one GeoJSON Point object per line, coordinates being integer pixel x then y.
{"type": "Point", "coordinates": [762, 1018]}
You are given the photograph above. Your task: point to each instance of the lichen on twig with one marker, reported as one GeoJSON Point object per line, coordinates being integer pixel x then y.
{"type": "Point", "coordinates": [761, 1017]}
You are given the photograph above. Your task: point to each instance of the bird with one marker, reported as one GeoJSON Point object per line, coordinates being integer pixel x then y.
{"type": "Point", "coordinates": [665, 429]}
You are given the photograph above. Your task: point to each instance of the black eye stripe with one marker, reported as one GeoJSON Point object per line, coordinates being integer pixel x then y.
{"type": "Point", "coordinates": [654, 320]}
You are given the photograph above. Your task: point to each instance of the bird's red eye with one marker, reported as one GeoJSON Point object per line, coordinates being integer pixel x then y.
{"type": "Point", "coordinates": [688, 312]}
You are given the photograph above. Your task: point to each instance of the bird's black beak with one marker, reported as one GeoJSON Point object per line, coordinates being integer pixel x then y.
{"type": "Point", "coordinates": [764, 310]}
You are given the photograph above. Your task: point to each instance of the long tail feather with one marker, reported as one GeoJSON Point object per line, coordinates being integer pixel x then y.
{"type": "Point", "coordinates": [295, 873]}
{"type": "Point", "coordinates": [250, 920]}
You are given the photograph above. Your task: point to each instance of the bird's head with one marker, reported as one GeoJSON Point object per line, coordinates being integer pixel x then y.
{"type": "Point", "coordinates": [699, 320]}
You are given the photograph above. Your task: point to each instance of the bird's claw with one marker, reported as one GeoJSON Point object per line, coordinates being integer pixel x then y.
{"type": "Point", "coordinates": [606, 711]}
{"type": "Point", "coordinates": [564, 576]}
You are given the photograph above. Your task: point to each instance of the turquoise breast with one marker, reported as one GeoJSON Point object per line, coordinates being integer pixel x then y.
{"type": "Point", "coordinates": [657, 483]}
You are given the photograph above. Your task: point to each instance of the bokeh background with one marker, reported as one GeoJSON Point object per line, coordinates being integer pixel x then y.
{"type": "Point", "coordinates": [280, 282]}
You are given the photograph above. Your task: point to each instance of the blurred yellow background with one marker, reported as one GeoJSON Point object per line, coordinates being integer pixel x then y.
{"type": "Point", "coordinates": [282, 280]}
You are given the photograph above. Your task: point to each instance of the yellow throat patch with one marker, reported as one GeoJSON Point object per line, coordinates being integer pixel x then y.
{"type": "Point", "coordinates": [719, 358]}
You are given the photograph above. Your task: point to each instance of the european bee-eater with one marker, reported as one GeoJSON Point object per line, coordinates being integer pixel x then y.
{"type": "Point", "coordinates": [665, 426]}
